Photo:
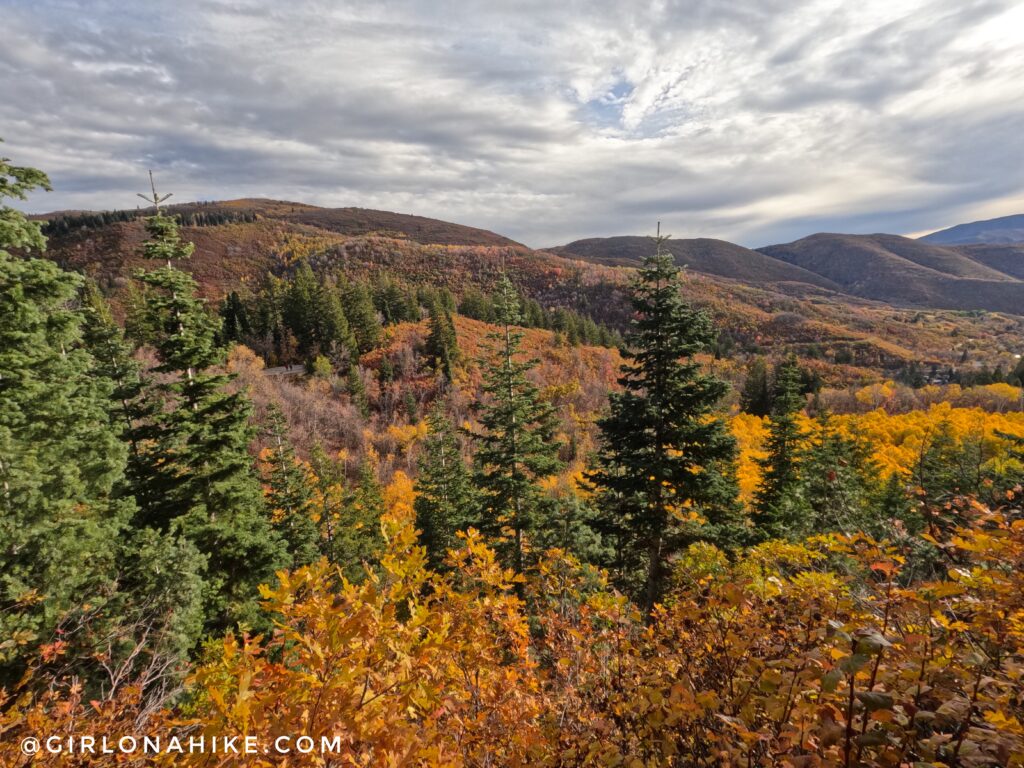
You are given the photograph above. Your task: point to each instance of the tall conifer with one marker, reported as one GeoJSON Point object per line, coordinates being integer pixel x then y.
{"type": "Point", "coordinates": [445, 497]}
{"type": "Point", "coordinates": [665, 456]}
{"type": "Point", "coordinates": [517, 447]}
{"type": "Point", "coordinates": [201, 479]}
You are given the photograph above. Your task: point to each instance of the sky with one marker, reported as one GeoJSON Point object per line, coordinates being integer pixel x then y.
{"type": "Point", "coordinates": [755, 121]}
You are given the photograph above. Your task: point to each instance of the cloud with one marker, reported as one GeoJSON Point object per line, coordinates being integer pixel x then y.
{"type": "Point", "coordinates": [753, 121]}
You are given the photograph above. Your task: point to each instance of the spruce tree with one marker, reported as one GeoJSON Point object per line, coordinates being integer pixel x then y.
{"type": "Point", "coordinates": [235, 325]}
{"type": "Point", "coordinates": [357, 390]}
{"type": "Point", "coordinates": [837, 485]}
{"type": "Point", "coordinates": [299, 310]}
{"type": "Point", "coordinates": [442, 346]}
{"type": "Point", "coordinates": [289, 492]}
{"type": "Point", "coordinates": [334, 333]}
{"type": "Point", "coordinates": [61, 462]}
{"type": "Point", "coordinates": [201, 480]}
{"type": "Point", "coordinates": [756, 397]}
{"type": "Point", "coordinates": [133, 403]}
{"type": "Point", "coordinates": [780, 510]}
{"type": "Point", "coordinates": [517, 447]}
{"type": "Point", "coordinates": [664, 452]}
{"type": "Point", "coordinates": [445, 498]}
{"type": "Point", "coordinates": [362, 317]}
{"type": "Point", "coordinates": [349, 517]}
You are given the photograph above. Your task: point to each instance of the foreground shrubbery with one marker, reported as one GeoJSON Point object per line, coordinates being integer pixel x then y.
{"type": "Point", "coordinates": [827, 652]}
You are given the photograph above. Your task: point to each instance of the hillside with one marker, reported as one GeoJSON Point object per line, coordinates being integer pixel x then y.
{"type": "Point", "coordinates": [761, 303]}
{"type": "Point", "coordinates": [904, 272]}
{"type": "Point", "coordinates": [1006, 229]}
{"type": "Point", "coordinates": [1006, 258]}
{"type": "Point", "coordinates": [712, 257]}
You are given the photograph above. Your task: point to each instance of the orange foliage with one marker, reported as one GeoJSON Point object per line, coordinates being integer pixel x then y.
{"type": "Point", "coordinates": [772, 659]}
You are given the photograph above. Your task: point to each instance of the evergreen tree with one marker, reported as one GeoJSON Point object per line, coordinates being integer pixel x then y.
{"type": "Point", "coordinates": [235, 326]}
{"type": "Point", "coordinates": [349, 518]}
{"type": "Point", "coordinates": [836, 477]}
{"type": "Point", "coordinates": [476, 306]}
{"type": "Point", "coordinates": [445, 499]}
{"type": "Point", "coordinates": [133, 403]}
{"type": "Point", "coordinates": [780, 510]}
{"type": "Point", "coordinates": [517, 447]}
{"type": "Point", "coordinates": [289, 494]}
{"type": "Point", "coordinates": [357, 391]}
{"type": "Point", "coordinates": [663, 452]}
{"type": "Point", "coordinates": [442, 345]}
{"type": "Point", "coordinates": [756, 398]}
{"type": "Point", "coordinates": [299, 310]}
{"type": "Point", "coordinates": [200, 480]}
{"type": "Point", "coordinates": [362, 317]}
{"type": "Point", "coordinates": [333, 331]}
{"type": "Point", "coordinates": [61, 463]}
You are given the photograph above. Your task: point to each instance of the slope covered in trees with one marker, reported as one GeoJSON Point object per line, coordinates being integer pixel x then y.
{"type": "Point", "coordinates": [468, 528]}
{"type": "Point", "coordinates": [756, 308]}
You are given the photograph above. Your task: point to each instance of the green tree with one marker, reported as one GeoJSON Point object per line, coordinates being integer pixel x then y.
{"type": "Point", "coordinates": [362, 317]}
{"type": "Point", "coordinates": [235, 325]}
{"type": "Point", "coordinates": [838, 489]}
{"type": "Point", "coordinates": [517, 447]}
{"type": "Point", "coordinates": [445, 497]}
{"type": "Point", "coordinates": [357, 390]}
{"type": "Point", "coordinates": [61, 462]}
{"type": "Point", "coordinates": [442, 346]}
{"type": "Point", "coordinates": [349, 517]}
{"type": "Point", "coordinates": [333, 331]}
{"type": "Point", "coordinates": [664, 454]}
{"type": "Point", "coordinates": [299, 310]}
{"type": "Point", "coordinates": [289, 493]}
{"type": "Point", "coordinates": [780, 509]}
{"type": "Point", "coordinates": [756, 397]}
{"type": "Point", "coordinates": [201, 481]}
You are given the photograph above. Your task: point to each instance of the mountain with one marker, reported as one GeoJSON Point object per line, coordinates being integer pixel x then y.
{"type": "Point", "coordinates": [904, 272]}
{"type": "Point", "coordinates": [1006, 229]}
{"type": "Point", "coordinates": [760, 302]}
{"type": "Point", "coordinates": [711, 257]}
{"type": "Point", "coordinates": [1008, 259]}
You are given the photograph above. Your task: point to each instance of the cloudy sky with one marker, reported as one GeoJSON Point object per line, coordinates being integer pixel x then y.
{"type": "Point", "coordinates": [757, 121]}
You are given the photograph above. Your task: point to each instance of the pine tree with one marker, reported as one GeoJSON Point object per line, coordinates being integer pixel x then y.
{"type": "Point", "coordinates": [201, 481]}
{"type": "Point", "coordinates": [362, 317]}
{"type": "Point", "coordinates": [442, 345]}
{"type": "Point", "coordinates": [756, 397]}
{"type": "Point", "coordinates": [334, 334]}
{"type": "Point", "coordinates": [837, 488]}
{"type": "Point", "coordinates": [349, 518]}
{"type": "Point", "coordinates": [289, 494]}
{"type": "Point", "coordinates": [780, 510]}
{"type": "Point", "coordinates": [61, 462]}
{"type": "Point", "coordinates": [299, 310]}
{"type": "Point", "coordinates": [517, 447]}
{"type": "Point", "coordinates": [235, 326]}
{"type": "Point", "coordinates": [133, 403]}
{"type": "Point", "coordinates": [445, 499]}
{"type": "Point", "coordinates": [664, 453]}
{"type": "Point", "coordinates": [357, 391]}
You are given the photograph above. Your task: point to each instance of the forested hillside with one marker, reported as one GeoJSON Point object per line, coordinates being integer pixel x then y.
{"type": "Point", "coordinates": [418, 495]}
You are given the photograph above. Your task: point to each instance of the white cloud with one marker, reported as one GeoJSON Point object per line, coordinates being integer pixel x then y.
{"type": "Point", "coordinates": [755, 121]}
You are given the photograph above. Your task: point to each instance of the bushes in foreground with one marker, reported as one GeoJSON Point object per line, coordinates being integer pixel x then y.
{"type": "Point", "coordinates": [822, 653]}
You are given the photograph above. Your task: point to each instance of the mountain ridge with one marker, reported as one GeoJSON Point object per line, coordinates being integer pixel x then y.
{"type": "Point", "coordinates": [1002, 230]}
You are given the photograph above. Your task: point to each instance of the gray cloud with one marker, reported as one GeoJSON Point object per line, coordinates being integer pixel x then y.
{"type": "Point", "coordinates": [754, 121]}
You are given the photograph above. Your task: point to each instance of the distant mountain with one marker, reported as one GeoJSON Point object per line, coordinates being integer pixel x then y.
{"type": "Point", "coordinates": [896, 270]}
{"type": "Point", "coordinates": [905, 272]}
{"type": "Point", "coordinates": [1008, 259]}
{"type": "Point", "coordinates": [710, 257]}
{"type": "Point", "coordinates": [1007, 229]}
{"type": "Point", "coordinates": [343, 221]}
